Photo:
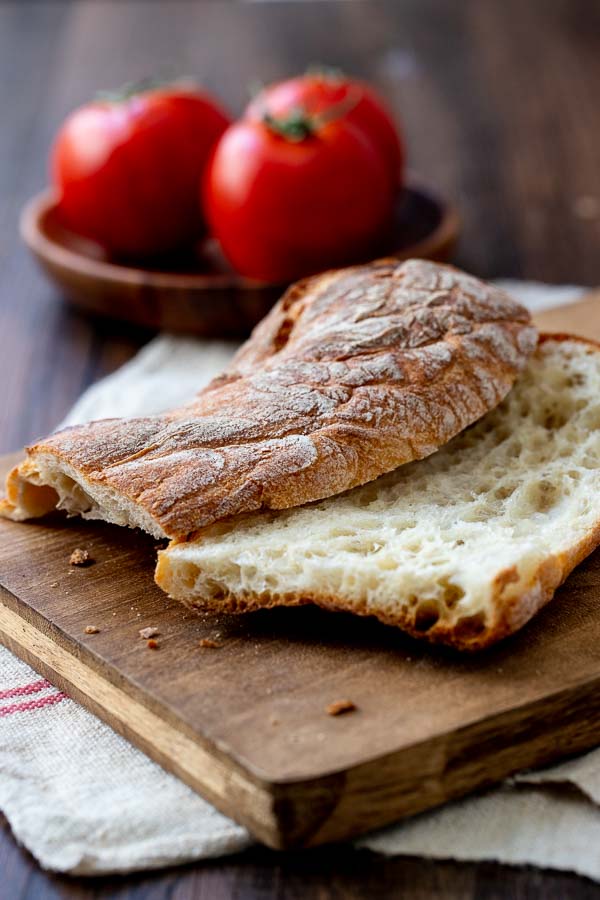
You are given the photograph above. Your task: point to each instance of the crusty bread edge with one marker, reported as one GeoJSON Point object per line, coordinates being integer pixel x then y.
{"type": "Point", "coordinates": [509, 613]}
{"type": "Point", "coordinates": [513, 603]}
{"type": "Point", "coordinates": [29, 495]}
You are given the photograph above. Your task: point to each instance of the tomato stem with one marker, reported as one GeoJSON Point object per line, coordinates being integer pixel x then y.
{"type": "Point", "coordinates": [301, 124]}
{"type": "Point", "coordinates": [297, 126]}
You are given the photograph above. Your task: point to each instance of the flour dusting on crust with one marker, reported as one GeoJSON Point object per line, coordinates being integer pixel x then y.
{"type": "Point", "coordinates": [352, 374]}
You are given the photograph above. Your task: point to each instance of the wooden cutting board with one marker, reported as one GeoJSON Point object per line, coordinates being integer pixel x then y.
{"type": "Point", "coordinates": [245, 723]}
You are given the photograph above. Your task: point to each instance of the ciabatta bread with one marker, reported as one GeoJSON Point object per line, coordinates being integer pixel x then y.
{"type": "Point", "coordinates": [460, 548]}
{"type": "Point", "coordinates": [352, 374]}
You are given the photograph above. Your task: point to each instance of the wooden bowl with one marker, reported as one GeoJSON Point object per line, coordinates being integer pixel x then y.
{"type": "Point", "coordinates": [200, 294]}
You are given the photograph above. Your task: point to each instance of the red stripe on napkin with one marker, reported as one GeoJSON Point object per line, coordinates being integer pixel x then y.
{"type": "Point", "coordinates": [40, 703]}
{"type": "Point", "coordinates": [32, 688]}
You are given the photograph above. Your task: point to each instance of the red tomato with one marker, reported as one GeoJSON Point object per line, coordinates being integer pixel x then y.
{"type": "Point", "coordinates": [128, 170]}
{"type": "Point", "coordinates": [284, 205]}
{"type": "Point", "coordinates": [325, 94]}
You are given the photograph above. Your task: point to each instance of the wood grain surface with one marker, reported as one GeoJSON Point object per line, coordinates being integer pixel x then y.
{"type": "Point", "coordinates": [500, 105]}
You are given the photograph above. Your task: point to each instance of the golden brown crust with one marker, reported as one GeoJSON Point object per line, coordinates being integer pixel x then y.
{"type": "Point", "coordinates": [352, 374]}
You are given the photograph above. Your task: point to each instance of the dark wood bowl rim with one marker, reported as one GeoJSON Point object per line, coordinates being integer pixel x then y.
{"type": "Point", "coordinates": [56, 253]}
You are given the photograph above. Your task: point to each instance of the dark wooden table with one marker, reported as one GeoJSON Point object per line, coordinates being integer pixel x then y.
{"type": "Point", "coordinates": [500, 104]}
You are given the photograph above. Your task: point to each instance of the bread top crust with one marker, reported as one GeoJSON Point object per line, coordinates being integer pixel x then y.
{"type": "Point", "coordinates": [352, 374]}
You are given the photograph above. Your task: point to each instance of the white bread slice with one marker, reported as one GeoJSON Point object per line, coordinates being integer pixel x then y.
{"type": "Point", "coordinates": [460, 548]}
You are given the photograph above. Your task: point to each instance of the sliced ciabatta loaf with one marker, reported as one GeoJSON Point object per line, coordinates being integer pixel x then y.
{"type": "Point", "coordinates": [461, 548]}
{"type": "Point", "coordinates": [353, 373]}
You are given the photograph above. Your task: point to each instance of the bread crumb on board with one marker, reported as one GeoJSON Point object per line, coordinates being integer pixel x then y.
{"type": "Point", "coordinates": [339, 707]}
{"type": "Point", "coordinates": [209, 642]}
{"type": "Point", "coordinates": [80, 557]}
{"type": "Point", "coordinates": [152, 644]}
{"type": "Point", "coordinates": [91, 629]}
{"type": "Point", "coordinates": [149, 632]}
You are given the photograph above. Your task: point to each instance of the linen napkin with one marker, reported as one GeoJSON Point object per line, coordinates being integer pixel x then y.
{"type": "Point", "coordinates": [83, 800]}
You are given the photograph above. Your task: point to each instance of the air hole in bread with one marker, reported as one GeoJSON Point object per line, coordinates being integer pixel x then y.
{"type": "Point", "coordinates": [469, 627]}
{"type": "Point", "coordinates": [541, 496]}
{"type": "Point", "coordinates": [481, 512]}
{"type": "Point", "coordinates": [414, 547]}
{"type": "Point", "coordinates": [214, 589]}
{"type": "Point", "coordinates": [505, 491]}
{"type": "Point", "coordinates": [555, 419]}
{"type": "Point", "coordinates": [188, 575]}
{"type": "Point", "coordinates": [451, 592]}
{"type": "Point", "coordinates": [78, 500]}
{"type": "Point", "coordinates": [426, 615]}
{"type": "Point", "coordinates": [40, 499]}
{"type": "Point", "coordinates": [590, 461]}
